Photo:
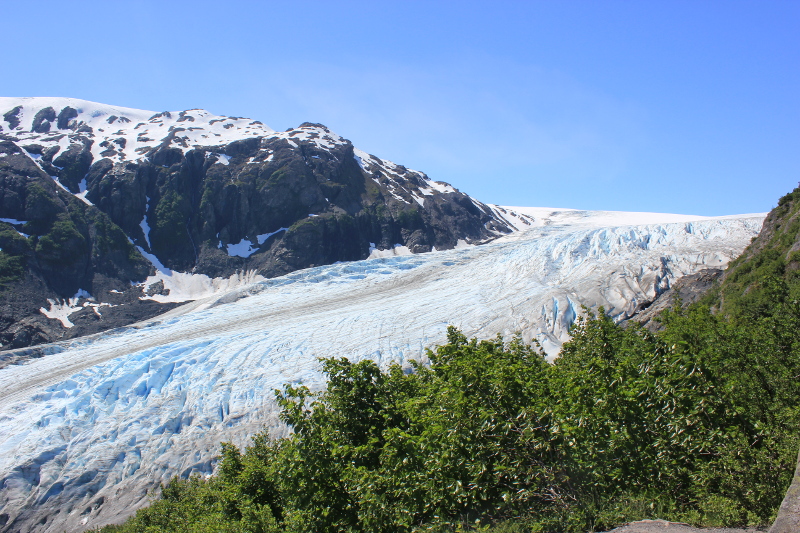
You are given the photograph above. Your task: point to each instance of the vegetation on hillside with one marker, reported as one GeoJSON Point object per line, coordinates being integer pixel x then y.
{"type": "Point", "coordinates": [775, 253]}
{"type": "Point", "coordinates": [697, 423]}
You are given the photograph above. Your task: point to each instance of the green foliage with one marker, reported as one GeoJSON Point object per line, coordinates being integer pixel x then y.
{"type": "Point", "coordinates": [12, 242]}
{"type": "Point", "coordinates": [41, 209]}
{"type": "Point", "coordinates": [409, 218]}
{"type": "Point", "coordinates": [13, 250]}
{"type": "Point", "coordinates": [698, 423]}
{"type": "Point", "coordinates": [749, 288]}
{"type": "Point", "coordinates": [700, 418]}
{"type": "Point", "coordinates": [169, 223]}
{"type": "Point", "coordinates": [63, 244]}
{"type": "Point", "coordinates": [110, 239]}
{"type": "Point", "coordinates": [307, 223]}
{"type": "Point", "coordinates": [281, 176]}
{"type": "Point", "coordinates": [11, 268]}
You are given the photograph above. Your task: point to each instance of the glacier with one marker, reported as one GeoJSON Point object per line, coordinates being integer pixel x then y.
{"type": "Point", "coordinates": [90, 428]}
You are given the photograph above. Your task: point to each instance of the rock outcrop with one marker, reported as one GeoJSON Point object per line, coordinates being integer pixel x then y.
{"type": "Point", "coordinates": [687, 290]}
{"type": "Point", "coordinates": [788, 520]}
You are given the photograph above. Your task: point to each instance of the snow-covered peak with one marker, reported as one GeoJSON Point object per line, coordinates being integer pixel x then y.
{"type": "Point", "coordinates": [119, 133]}
{"type": "Point", "coordinates": [92, 113]}
{"type": "Point", "coordinates": [403, 183]}
{"type": "Point", "coordinates": [122, 134]}
{"type": "Point", "coordinates": [316, 134]}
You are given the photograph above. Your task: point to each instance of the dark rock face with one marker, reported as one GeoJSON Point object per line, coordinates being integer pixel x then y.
{"type": "Point", "coordinates": [687, 290]}
{"type": "Point", "coordinates": [42, 120]}
{"type": "Point", "coordinates": [72, 165]}
{"type": "Point", "coordinates": [198, 202]}
{"type": "Point", "coordinates": [55, 246]}
{"type": "Point", "coordinates": [268, 202]}
{"type": "Point", "coordinates": [12, 117]}
{"type": "Point", "coordinates": [64, 117]}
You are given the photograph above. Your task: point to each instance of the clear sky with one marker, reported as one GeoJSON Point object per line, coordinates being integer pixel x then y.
{"type": "Point", "coordinates": [679, 106]}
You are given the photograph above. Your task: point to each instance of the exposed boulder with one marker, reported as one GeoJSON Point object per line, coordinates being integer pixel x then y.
{"type": "Point", "coordinates": [12, 117]}
{"type": "Point", "coordinates": [42, 120]}
{"type": "Point", "coordinates": [65, 116]}
{"type": "Point", "coordinates": [74, 163]}
{"type": "Point", "coordinates": [687, 290]}
{"type": "Point", "coordinates": [788, 519]}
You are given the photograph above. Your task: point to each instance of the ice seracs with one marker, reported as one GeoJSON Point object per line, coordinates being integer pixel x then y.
{"type": "Point", "coordinates": [88, 430]}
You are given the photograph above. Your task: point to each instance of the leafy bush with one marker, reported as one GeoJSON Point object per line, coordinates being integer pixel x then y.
{"type": "Point", "coordinates": [11, 268]}
{"type": "Point", "coordinates": [697, 424]}
{"type": "Point", "coordinates": [63, 244]}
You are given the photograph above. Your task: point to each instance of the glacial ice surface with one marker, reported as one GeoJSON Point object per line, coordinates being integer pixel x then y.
{"type": "Point", "coordinates": [87, 430]}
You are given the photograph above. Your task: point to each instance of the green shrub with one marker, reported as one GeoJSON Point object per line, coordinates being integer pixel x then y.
{"type": "Point", "coordinates": [698, 423]}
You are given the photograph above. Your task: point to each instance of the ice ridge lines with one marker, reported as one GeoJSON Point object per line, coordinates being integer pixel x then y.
{"type": "Point", "coordinates": [154, 393]}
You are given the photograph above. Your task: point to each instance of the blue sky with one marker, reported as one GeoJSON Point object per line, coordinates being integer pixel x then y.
{"type": "Point", "coordinates": [685, 107]}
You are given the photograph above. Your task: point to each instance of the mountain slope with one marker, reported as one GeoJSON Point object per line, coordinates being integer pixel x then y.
{"type": "Point", "coordinates": [775, 254]}
{"type": "Point", "coordinates": [98, 421]}
{"type": "Point", "coordinates": [221, 198]}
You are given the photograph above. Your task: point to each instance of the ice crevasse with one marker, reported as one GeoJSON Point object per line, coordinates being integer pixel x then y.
{"type": "Point", "coordinates": [90, 428]}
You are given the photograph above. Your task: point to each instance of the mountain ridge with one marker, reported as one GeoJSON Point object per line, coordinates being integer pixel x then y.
{"type": "Point", "coordinates": [195, 193]}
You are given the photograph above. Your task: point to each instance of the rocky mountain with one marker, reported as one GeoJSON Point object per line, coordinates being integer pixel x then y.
{"type": "Point", "coordinates": [110, 215]}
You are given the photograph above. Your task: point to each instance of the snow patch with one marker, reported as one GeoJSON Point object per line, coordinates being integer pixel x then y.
{"type": "Point", "coordinates": [144, 225]}
{"type": "Point", "coordinates": [185, 287]}
{"type": "Point", "coordinates": [153, 259]}
{"type": "Point", "coordinates": [265, 236]}
{"type": "Point", "coordinates": [394, 251]}
{"type": "Point", "coordinates": [361, 157]}
{"type": "Point", "coordinates": [439, 186]}
{"type": "Point", "coordinates": [243, 248]}
{"type": "Point", "coordinates": [61, 309]}
{"type": "Point", "coordinates": [82, 197]}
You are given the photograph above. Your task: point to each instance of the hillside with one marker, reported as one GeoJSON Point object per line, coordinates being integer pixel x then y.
{"type": "Point", "coordinates": [774, 254]}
